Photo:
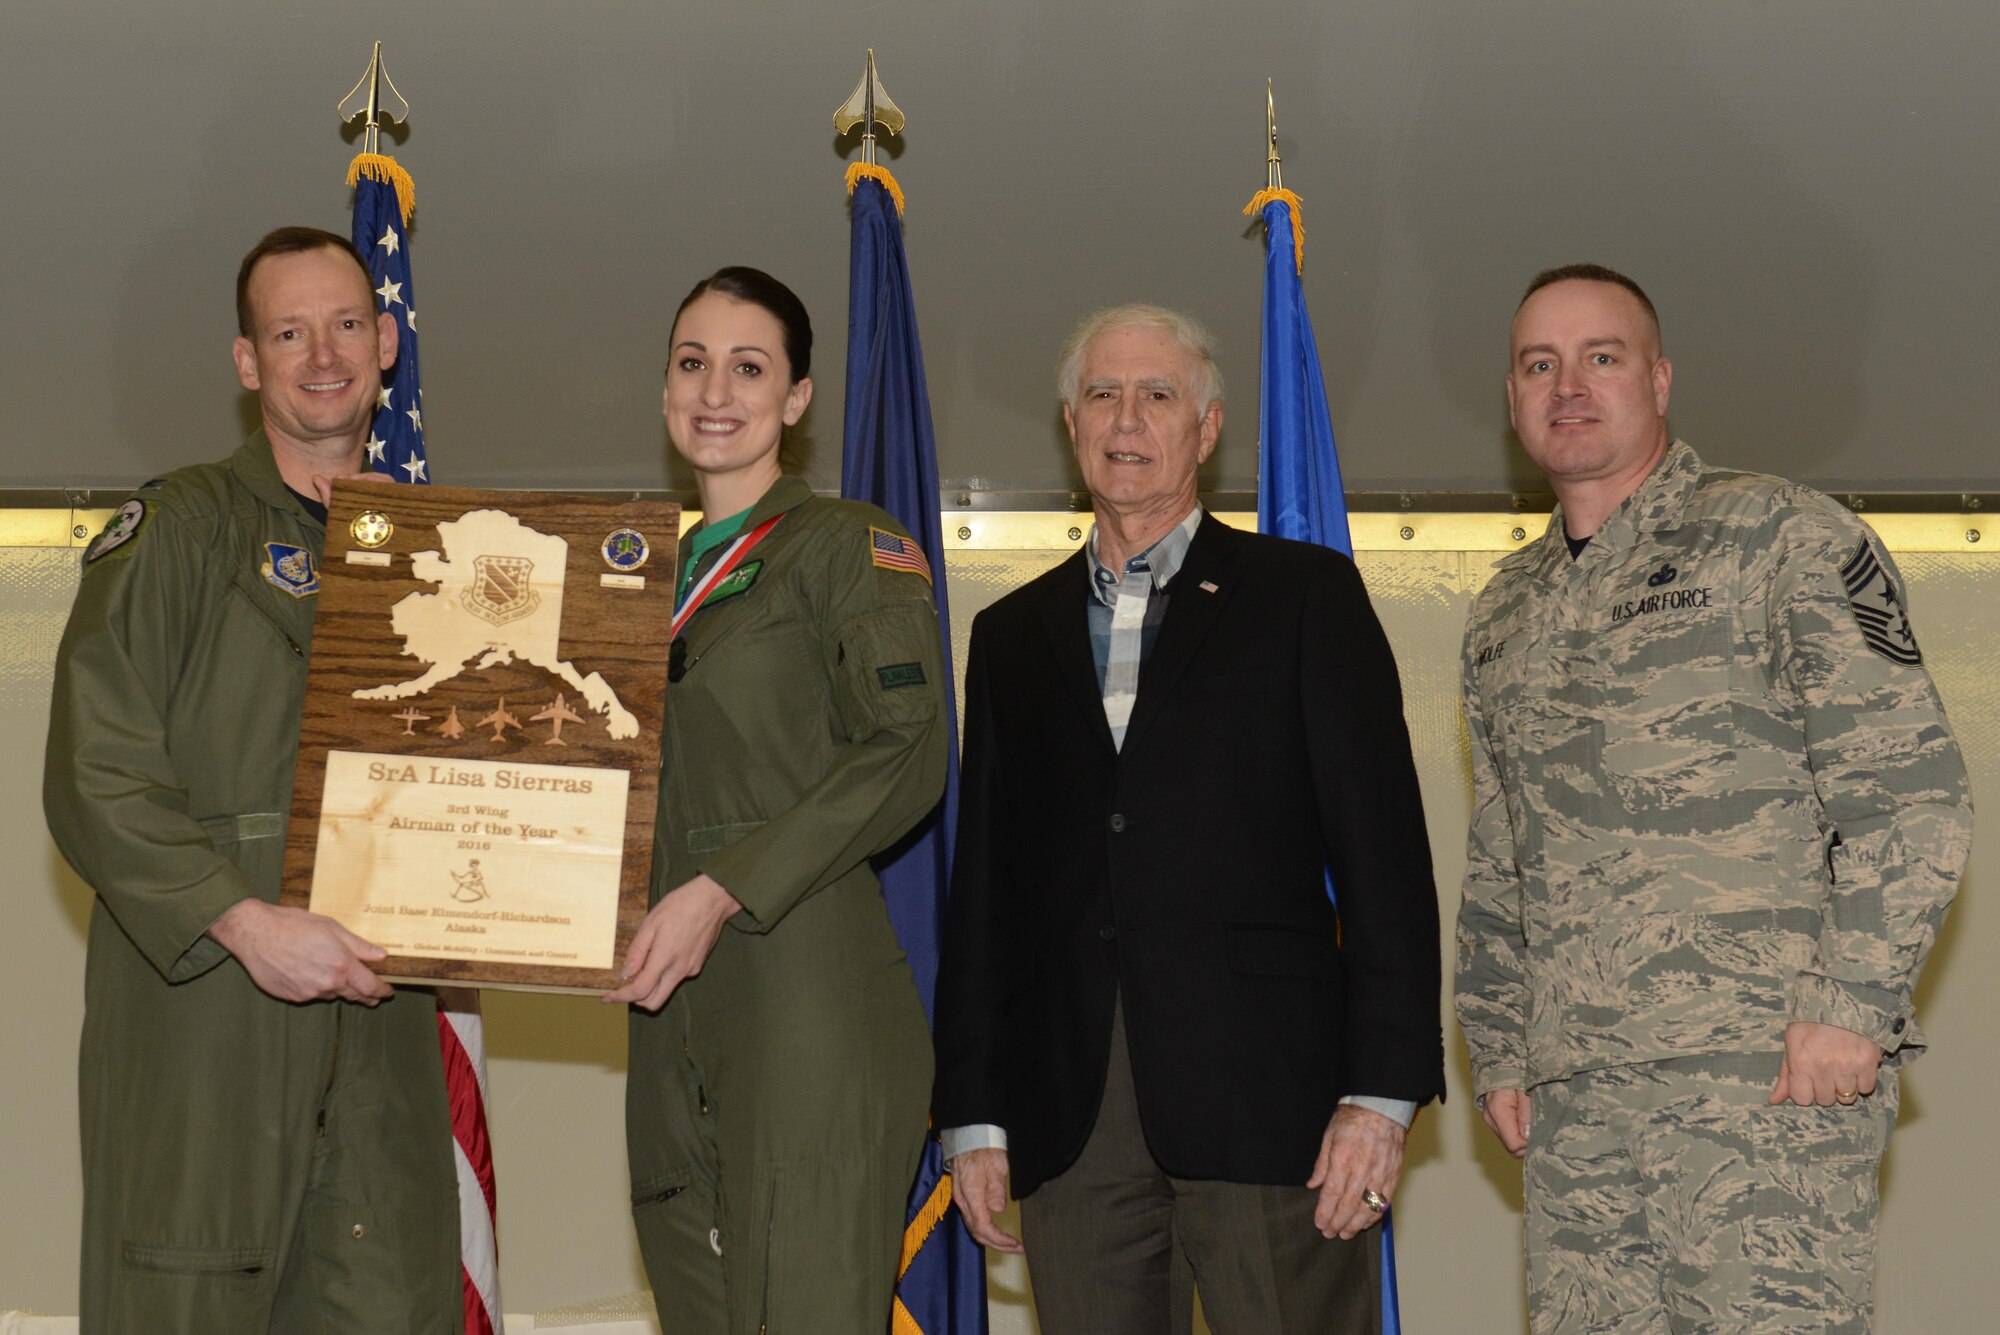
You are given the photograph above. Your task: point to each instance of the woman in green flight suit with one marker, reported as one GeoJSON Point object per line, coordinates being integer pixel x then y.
{"type": "Point", "coordinates": [780, 1066]}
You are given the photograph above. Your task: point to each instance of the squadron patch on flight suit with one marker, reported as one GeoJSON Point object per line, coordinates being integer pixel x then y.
{"type": "Point", "coordinates": [1878, 608]}
{"type": "Point", "coordinates": [124, 527]}
{"type": "Point", "coordinates": [291, 569]}
{"type": "Point", "coordinates": [736, 581]}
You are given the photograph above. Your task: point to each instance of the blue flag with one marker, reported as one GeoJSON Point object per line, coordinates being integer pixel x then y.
{"type": "Point", "coordinates": [383, 201]}
{"type": "Point", "coordinates": [1299, 494]}
{"type": "Point", "coordinates": [889, 457]}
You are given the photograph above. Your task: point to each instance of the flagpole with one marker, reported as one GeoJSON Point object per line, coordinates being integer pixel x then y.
{"type": "Point", "coordinates": [889, 458]}
{"type": "Point", "coordinates": [1274, 169]}
{"type": "Point", "coordinates": [1299, 493]}
{"type": "Point", "coordinates": [384, 201]}
{"type": "Point", "coordinates": [868, 106]}
{"type": "Point", "coordinates": [372, 107]}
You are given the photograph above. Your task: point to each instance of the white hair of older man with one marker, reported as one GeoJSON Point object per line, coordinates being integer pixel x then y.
{"type": "Point", "coordinates": [1185, 330]}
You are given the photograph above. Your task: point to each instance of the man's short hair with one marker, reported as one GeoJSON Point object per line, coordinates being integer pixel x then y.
{"type": "Point", "coordinates": [289, 241]}
{"type": "Point", "coordinates": [1185, 330]}
{"type": "Point", "coordinates": [1594, 273]}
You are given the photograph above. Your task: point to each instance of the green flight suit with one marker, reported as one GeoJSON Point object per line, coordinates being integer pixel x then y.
{"type": "Point", "coordinates": [777, 1103]}
{"type": "Point", "coordinates": [249, 1165]}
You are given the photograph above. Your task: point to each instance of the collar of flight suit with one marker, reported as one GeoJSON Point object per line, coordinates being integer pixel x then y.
{"type": "Point", "coordinates": [787, 493]}
{"type": "Point", "coordinates": [1658, 504]}
{"type": "Point", "coordinates": [257, 469]}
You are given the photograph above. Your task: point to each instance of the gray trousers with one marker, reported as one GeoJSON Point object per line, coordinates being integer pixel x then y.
{"type": "Point", "coordinates": [1671, 1199]}
{"type": "Point", "coordinates": [1112, 1239]}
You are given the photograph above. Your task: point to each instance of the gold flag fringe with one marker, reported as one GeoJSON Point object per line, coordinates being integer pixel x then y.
{"type": "Point", "coordinates": [1292, 202]}
{"type": "Point", "coordinates": [385, 169]}
{"type": "Point", "coordinates": [920, 1228]}
{"type": "Point", "coordinates": [857, 172]}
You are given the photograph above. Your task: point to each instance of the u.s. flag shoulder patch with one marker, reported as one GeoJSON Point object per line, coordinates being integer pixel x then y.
{"type": "Point", "coordinates": [1878, 607]}
{"type": "Point", "coordinates": [893, 551]}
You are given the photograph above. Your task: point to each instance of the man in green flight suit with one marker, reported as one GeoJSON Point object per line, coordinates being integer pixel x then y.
{"type": "Point", "coordinates": [1717, 818]}
{"type": "Point", "coordinates": [266, 1141]}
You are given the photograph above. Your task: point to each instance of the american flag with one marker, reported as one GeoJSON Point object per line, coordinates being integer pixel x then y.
{"type": "Point", "coordinates": [384, 199]}
{"type": "Point", "coordinates": [383, 202]}
{"type": "Point", "coordinates": [893, 551]}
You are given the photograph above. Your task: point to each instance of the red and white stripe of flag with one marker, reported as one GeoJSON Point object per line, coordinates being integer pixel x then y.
{"type": "Point", "coordinates": [462, 1040]}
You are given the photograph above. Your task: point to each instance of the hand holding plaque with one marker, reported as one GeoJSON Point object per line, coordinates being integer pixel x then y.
{"type": "Point", "coordinates": [479, 757]}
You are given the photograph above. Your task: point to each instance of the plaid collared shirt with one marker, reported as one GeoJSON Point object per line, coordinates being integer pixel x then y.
{"type": "Point", "coordinates": [1126, 608]}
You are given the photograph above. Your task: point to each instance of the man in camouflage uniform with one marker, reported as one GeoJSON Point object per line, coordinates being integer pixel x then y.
{"type": "Point", "coordinates": [1718, 816]}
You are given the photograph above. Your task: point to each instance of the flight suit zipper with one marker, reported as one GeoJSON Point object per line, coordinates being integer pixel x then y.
{"type": "Point", "coordinates": [770, 1236]}
{"type": "Point", "coordinates": [332, 1071]}
{"type": "Point", "coordinates": [272, 622]}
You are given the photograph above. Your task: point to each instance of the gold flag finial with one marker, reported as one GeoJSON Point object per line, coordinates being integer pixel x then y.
{"type": "Point", "coordinates": [365, 99]}
{"type": "Point", "coordinates": [868, 106]}
{"type": "Point", "coordinates": [1274, 171]}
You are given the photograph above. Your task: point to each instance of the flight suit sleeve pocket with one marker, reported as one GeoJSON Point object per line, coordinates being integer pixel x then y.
{"type": "Point", "coordinates": [709, 838]}
{"type": "Point", "coordinates": [885, 668]}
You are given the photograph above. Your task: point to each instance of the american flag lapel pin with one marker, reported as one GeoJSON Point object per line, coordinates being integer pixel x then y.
{"type": "Point", "coordinates": [1208, 586]}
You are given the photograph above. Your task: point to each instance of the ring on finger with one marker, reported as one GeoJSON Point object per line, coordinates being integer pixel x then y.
{"type": "Point", "coordinates": [1846, 1096]}
{"type": "Point", "coordinates": [1374, 1200]}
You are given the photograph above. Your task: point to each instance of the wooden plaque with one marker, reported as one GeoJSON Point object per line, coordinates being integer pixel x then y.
{"type": "Point", "coordinates": [479, 759]}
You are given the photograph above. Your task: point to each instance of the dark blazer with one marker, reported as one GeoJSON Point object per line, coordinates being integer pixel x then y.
{"type": "Point", "coordinates": [1267, 744]}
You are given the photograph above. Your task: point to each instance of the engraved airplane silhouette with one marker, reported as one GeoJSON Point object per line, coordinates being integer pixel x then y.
{"type": "Point", "coordinates": [451, 729]}
{"type": "Point", "coordinates": [499, 720]}
{"type": "Point", "coordinates": [557, 714]}
{"type": "Point", "coordinates": [411, 718]}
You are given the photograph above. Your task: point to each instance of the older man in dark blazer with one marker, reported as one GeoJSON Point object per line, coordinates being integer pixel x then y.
{"type": "Point", "coordinates": [1151, 1015]}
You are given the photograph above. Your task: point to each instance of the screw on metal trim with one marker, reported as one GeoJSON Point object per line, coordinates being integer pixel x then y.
{"type": "Point", "coordinates": [79, 532]}
{"type": "Point", "coordinates": [1972, 502]}
{"type": "Point", "coordinates": [1518, 535]}
{"type": "Point", "coordinates": [1408, 533]}
{"type": "Point", "coordinates": [964, 499]}
{"type": "Point", "coordinates": [1856, 503]}
{"type": "Point", "coordinates": [964, 533]}
{"type": "Point", "coordinates": [1972, 535]}
{"type": "Point", "coordinates": [1075, 533]}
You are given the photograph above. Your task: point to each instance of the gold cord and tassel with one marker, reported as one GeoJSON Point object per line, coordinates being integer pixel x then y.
{"type": "Point", "coordinates": [382, 168]}
{"type": "Point", "coordinates": [857, 172]}
{"type": "Point", "coordinates": [1280, 195]}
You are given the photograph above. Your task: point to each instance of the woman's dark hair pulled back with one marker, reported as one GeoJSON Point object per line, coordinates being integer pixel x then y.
{"type": "Point", "coordinates": [742, 283]}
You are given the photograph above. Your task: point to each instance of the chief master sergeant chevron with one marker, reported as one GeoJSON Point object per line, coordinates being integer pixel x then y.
{"type": "Point", "coordinates": [266, 1142]}
{"type": "Point", "coordinates": [1717, 818]}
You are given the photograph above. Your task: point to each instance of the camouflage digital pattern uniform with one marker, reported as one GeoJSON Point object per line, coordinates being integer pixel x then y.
{"type": "Point", "coordinates": [1714, 793]}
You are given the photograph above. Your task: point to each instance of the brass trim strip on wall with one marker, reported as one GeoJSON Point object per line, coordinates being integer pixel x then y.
{"type": "Point", "coordinates": [51, 527]}
{"type": "Point", "coordinates": [1426, 531]}
{"type": "Point", "coordinates": [1046, 530]}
